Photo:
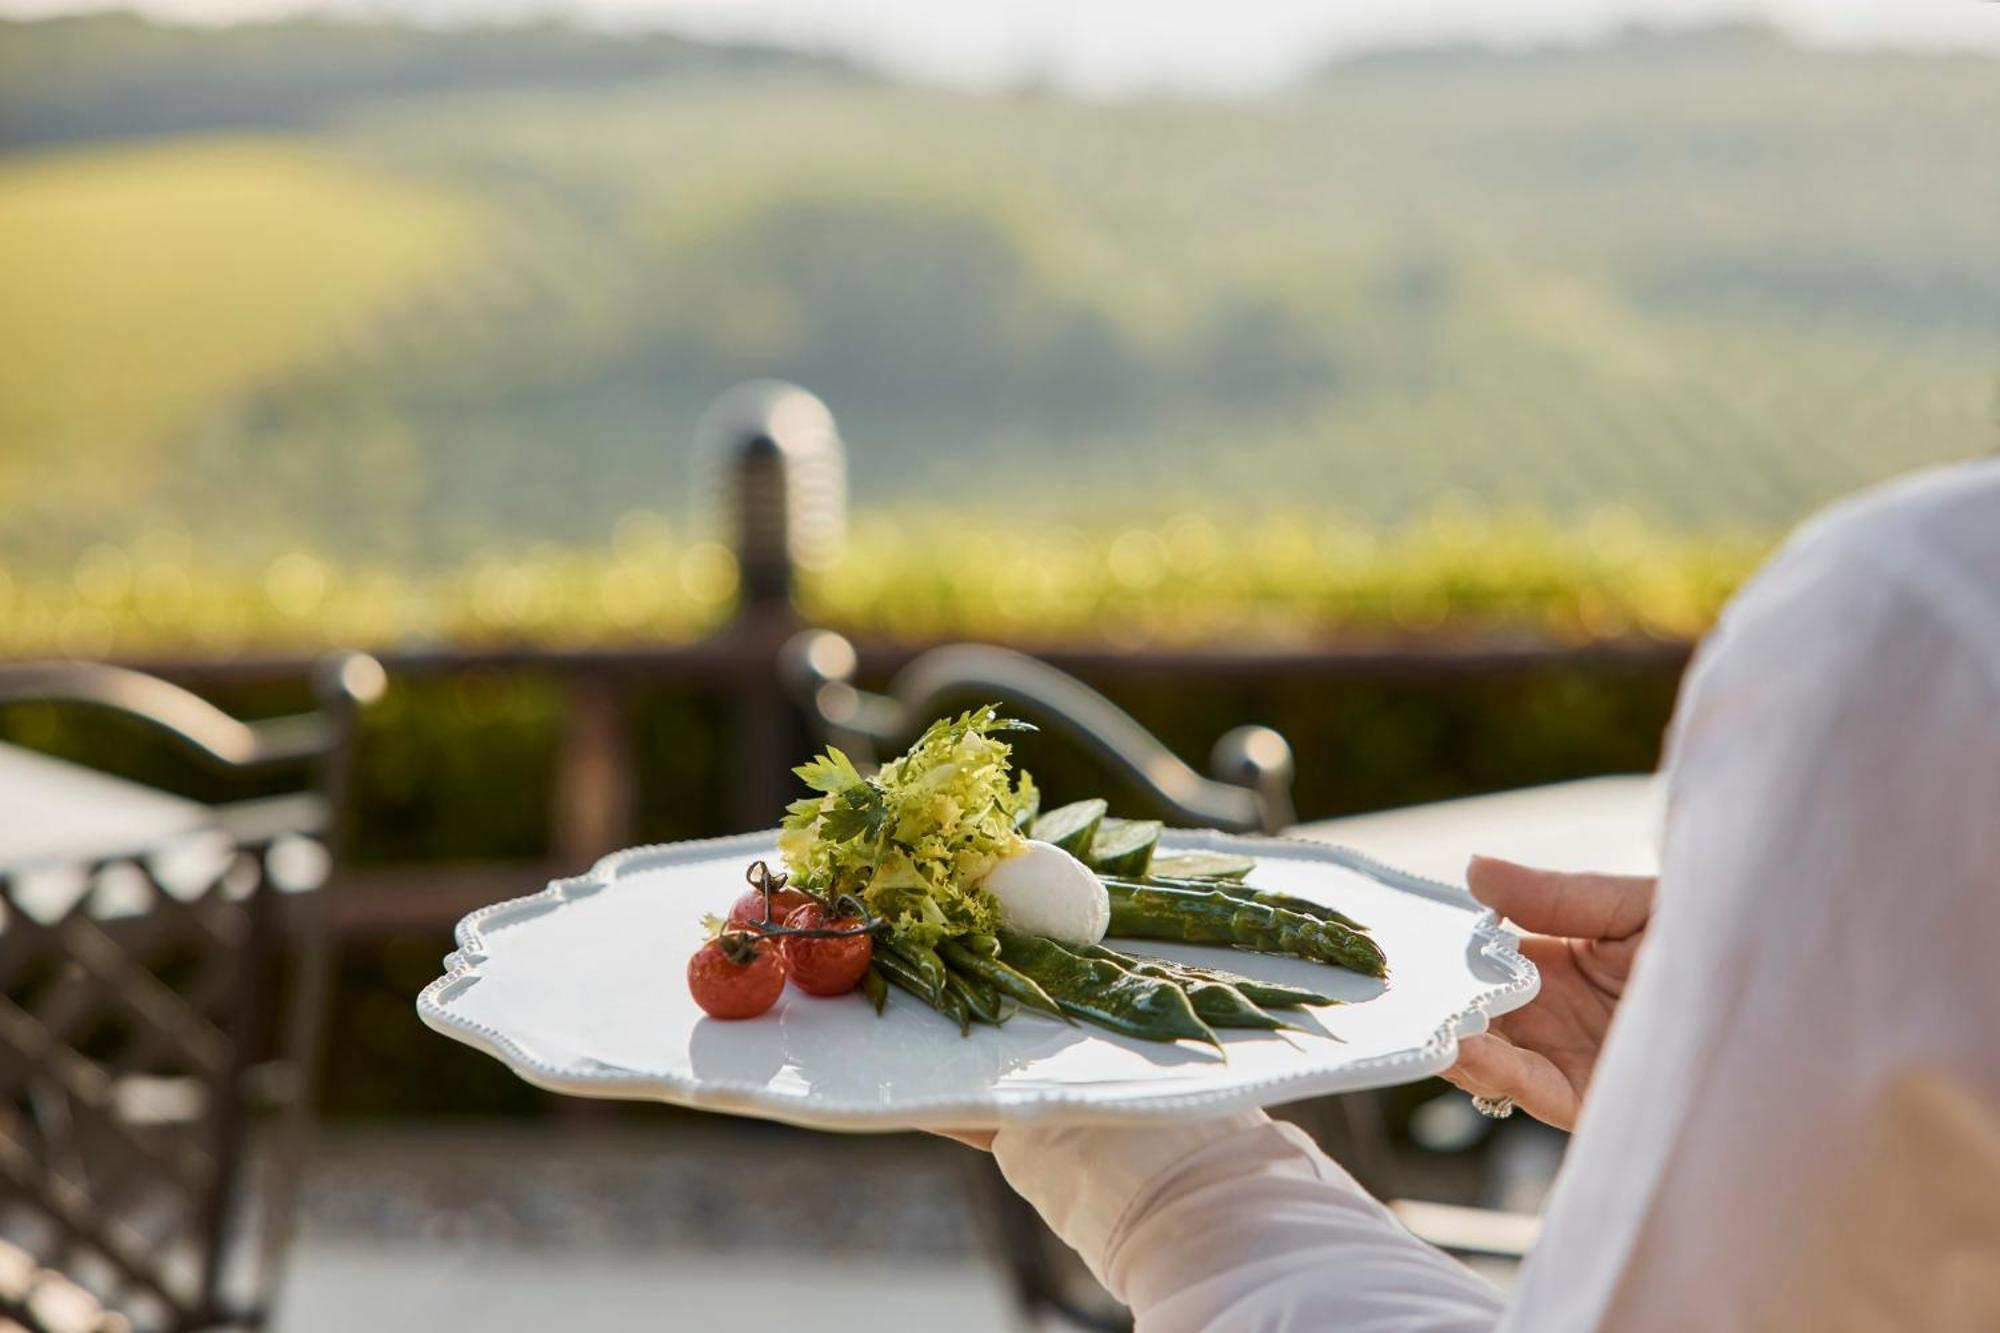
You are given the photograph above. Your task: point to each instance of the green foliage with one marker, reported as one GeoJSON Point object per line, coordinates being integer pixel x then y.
{"type": "Point", "coordinates": [913, 841]}
{"type": "Point", "coordinates": [1284, 577]}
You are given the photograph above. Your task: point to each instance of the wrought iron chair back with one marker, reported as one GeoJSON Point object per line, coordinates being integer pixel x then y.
{"type": "Point", "coordinates": [146, 1013]}
{"type": "Point", "coordinates": [1250, 794]}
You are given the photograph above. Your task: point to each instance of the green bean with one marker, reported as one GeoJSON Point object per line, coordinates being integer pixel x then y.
{"type": "Point", "coordinates": [998, 975]}
{"type": "Point", "coordinates": [986, 946]}
{"type": "Point", "coordinates": [954, 1005]}
{"type": "Point", "coordinates": [1248, 894]}
{"type": "Point", "coordinates": [1147, 911]}
{"type": "Point", "coordinates": [924, 959]}
{"type": "Point", "coordinates": [981, 999]}
{"type": "Point", "coordinates": [874, 987]}
{"type": "Point", "coordinates": [1216, 1003]}
{"type": "Point", "coordinates": [1106, 994]}
{"type": "Point", "coordinates": [901, 972]}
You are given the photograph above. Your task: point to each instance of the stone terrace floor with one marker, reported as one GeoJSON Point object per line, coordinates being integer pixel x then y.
{"type": "Point", "coordinates": [607, 1222]}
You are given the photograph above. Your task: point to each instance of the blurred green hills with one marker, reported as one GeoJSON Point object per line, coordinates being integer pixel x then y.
{"type": "Point", "coordinates": [407, 296]}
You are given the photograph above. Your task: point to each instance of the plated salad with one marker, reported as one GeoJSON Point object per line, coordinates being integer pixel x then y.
{"type": "Point", "coordinates": [940, 876]}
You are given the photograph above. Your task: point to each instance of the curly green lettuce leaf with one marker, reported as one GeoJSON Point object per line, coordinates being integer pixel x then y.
{"type": "Point", "coordinates": [913, 841]}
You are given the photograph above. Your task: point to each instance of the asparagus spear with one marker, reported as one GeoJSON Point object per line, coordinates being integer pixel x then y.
{"type": "Point", "coordinates": [1265, 994]}
{"type": "Point", "coordinates": [1104, 993]}
{"type": "Point", "coordinates": [1245, 893]}
{"type": "Point", "coordinates": [1268, 993]}
{"type": "Point", "coordinates": [1147, 911]}
{"type": "Point", "coordinates": [1216, 1003]}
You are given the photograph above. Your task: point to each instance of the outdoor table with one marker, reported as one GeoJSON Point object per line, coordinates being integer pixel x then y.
{"type": "Point", "coordinates": [1609, 824]}
{"type": "Point", "coordinates": [57, 818]}
{"type": "Point", "coordinates": [52, 811]}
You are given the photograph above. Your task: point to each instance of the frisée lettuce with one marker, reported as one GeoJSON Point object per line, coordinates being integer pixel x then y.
{"type": "Point", "coordinates": [914, 841]}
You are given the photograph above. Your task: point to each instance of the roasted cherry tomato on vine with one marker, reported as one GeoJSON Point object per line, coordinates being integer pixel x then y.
{"type": "Point", "coordinates": [832, 966]}
{"type": "Point", "coordinates": [749, 909]}
{"type": "Point", "coordinates": [736, 975]}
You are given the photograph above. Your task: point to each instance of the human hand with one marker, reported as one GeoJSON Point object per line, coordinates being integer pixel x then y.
{"type": "Point", "coordinates": [1587, 930]}
{"type": "Point", "coordinates": [981, 1139]}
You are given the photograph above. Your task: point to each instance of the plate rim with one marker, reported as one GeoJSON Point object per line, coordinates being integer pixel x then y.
{"type": "Point", "coordinates": [1438, 1051]}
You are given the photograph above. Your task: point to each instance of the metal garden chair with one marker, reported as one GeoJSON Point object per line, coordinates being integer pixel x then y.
{"type": "Point", "coordinates": [148, 1014]}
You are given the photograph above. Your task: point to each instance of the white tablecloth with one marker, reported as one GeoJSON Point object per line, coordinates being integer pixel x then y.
{"type": "Point", "coordinates": [54, 811]}
{"type": "Point", "coordinates": [1607, 824]}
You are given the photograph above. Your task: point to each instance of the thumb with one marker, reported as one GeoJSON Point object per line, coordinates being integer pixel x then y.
{"type": "Point", "coordinates": [1560, 902]}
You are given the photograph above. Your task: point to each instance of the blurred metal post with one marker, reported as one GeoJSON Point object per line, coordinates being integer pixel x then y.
{"type": "Point", "coordinates": [597, 779]}
{"type": "Point", "coordinates": [779, 473]}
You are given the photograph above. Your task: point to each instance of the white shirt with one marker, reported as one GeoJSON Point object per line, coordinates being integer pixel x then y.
{"type": "Point", "coordinates": [1795, 1122]}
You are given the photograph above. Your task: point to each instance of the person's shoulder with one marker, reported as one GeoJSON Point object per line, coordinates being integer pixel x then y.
{"type": "Point", "coordinates": [1900, 581]}
{"type": "Point", "coordinates": [1949, 514]}
{"type": "Point", "coordinates": [1933, 536]}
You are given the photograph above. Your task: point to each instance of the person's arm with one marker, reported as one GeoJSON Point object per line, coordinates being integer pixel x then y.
{"type": "Point", "coordinates": [1146, 1210]}
{"type": "Point", "coordinates": [1816, 983]}
{"type": "Point", "coordinates": [1238, 1224]}
{"type": "Point", "coordinates": [1280, 1204]}
{"type": "Point", "coordinates": [1811, 989]}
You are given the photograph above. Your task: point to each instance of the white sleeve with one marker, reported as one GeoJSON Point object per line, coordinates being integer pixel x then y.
{"type": "Point", "coordinates": [1794, 1120]}
{"type": "Point", "coordinates": [1238, 1224]}
{"type": "Point", "coordinates": [1805, 1069]}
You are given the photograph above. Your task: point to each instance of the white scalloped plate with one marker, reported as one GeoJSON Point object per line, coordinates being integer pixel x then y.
{"type": "Point", "coordinates": [582, 989]}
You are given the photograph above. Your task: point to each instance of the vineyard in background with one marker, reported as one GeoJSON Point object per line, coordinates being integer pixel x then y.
{"type": "Point", "coordinates": [324, 333]}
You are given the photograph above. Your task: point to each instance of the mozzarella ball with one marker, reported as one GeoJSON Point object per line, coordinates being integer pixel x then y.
{"type": "Point", "coordinates": [1043, 890]}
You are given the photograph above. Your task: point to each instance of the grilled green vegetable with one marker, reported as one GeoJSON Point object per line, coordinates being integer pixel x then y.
{"type": "Point", "coordinates": [1141, 910]}
{"type": "Point", "coordinates": [986, 1003]}
{"type": "Point", "coordinates": [1105, 993]}
{"type": "Point", "coordinates": [1123, 847]}
{"type": "Point", "coordinates": [954, 1006]}
{"type": "Point", "coordinates": [875, 987]}
{"type": "Point", "coordinates": [964, 958]}
{"type": "Point", "coordinates": [923, 959]}
{"type": "Point", "coordinates": [1216, 1003]}
{"type": "Point", "coordinates": [1071, 827]}
{"type": "Point", "coordinates": [900, 972]}
{"type": "Point", "coordinates": [1201, 865]}
{"type": "Point", "coordinates": [1283, 901]}
{"type": "Point", "coordinates": [1270, 994]}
